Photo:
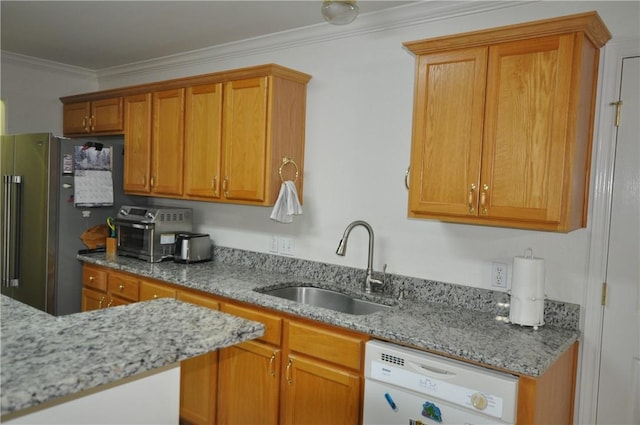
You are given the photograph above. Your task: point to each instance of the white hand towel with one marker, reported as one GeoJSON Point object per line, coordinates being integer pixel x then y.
{"type": "Point", "coordinates": [287, 205]}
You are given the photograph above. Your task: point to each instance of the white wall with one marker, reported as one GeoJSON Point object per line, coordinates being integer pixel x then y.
{"type": "Point", "coordinates": [31, 90]}
{"type": "Point", "coordinates": [357, 149]}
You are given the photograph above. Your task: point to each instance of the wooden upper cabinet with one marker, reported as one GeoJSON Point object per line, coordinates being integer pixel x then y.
{"type": "Point", "coordinates": [104, 116]}
{"type": "Point", "coordinates": [245, 140]}
{"type": "Point", "coordinates": [448, 119]}
{"type": "Point", "coordinates": [137, 152]}
{"type": "Point", "coordinates": [167, 140]}
{"type": "Point", "coordinates": [202, 142]}
{"type": "Point", "coordinates": [503, 123]}
{"type": "Point", "coordinates": [231, 136]}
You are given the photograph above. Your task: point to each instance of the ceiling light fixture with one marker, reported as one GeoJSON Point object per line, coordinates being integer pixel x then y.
{"type": "Point", "coordinates": [339, 12]}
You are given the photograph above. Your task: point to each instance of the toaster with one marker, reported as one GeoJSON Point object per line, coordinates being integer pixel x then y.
{"type": "Point", "coordinates": [192, 248]}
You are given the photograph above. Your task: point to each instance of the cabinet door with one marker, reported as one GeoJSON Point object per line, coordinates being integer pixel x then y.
{"type": "Point", "coordinates": [447, 133]}
{"type": "Point", "coordinates": [137, 142]}
{"type": "Point", "coordinates": [203, 136]}
{"type": "Point", "coordinates": [248, 384]}
{"type": "Point", "coordinates": [75, 118]}
{"type": "Point", "coordinates": [245, 139]}
{"type": "Point", "coordinates": [318, 393]}
{"type": "Point", "coordinates": [167, 142]}
{"type": "Point", "coordinates": [525, 143]}
{"type": "Point", "coordinates": [93, 300]}
{"type": "Point", "coordinates": [106, 116]}
{"type": "Point", "coordinates": [198, 376]}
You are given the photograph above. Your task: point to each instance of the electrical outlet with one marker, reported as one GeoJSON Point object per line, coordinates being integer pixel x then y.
{"type": "Point", "coordinates": [285, 246]}
{"type": "Point", "coordinates": [273, 244]}
{"type": "Point", "coordinates": [499, 275]}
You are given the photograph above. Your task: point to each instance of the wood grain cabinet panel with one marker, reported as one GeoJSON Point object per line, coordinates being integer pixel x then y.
{"type": "Point", "coordinates": [203, 141]}
{"type": "Point", "coordinates": [97, 117]}
{"type": "Point", "coordinates": [137, 151]}
{"type": "Point", "coordinates": [220, 137]}
{"type": "Point", "coordinates": [167, 142]}
{"type": "Point", "coordinates": [503, 123]}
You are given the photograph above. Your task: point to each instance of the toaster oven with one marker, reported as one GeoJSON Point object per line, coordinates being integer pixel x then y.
{"type": "Point", "coordinates": [149, 233]}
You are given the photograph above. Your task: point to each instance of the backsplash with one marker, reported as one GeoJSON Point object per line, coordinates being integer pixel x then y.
{"type": "Point", "coordinates": [556, 313]}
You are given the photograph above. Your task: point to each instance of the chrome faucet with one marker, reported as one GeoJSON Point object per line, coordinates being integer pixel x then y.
{"type": "Point", "coordinates": [370, 284]}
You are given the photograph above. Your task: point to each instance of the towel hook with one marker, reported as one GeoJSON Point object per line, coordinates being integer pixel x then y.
{"type": "Point", "coordinates": [287, 161]}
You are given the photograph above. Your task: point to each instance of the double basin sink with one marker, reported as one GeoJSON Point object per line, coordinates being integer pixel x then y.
{"type": "Point", "coordinates": [326, 298]}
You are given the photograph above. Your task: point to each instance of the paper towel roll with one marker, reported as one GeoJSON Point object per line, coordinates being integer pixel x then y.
{"type": "Point", "coordinates": [527, 290]}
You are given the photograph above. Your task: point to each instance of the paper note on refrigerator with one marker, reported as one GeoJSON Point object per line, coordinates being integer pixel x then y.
{"type": "Point", "coordinates": [93, 182]}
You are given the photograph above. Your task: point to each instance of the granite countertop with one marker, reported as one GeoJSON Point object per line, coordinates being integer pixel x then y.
{"type": "Point", "coordinates": [450, 330]}
{"type": "Point", "coordinates": [45, 357]}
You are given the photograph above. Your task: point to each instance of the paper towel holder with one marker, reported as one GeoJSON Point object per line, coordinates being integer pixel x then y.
{"type": "Point", "coordinates": [527, 295]}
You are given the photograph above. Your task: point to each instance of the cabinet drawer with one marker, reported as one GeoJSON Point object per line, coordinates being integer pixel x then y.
{"type": "Point", "coordinates": [201, 300]}
{"type": "Point", "coordinates": [151, 291]}
{"type": "Point", "coordinates": [272, 323]}
{"type": "Point", "coordinates": [124, 286]}
{"type": "Point", "coordinates": [94, 278]}
{"type": "Point", "coordinates": [326, 345]}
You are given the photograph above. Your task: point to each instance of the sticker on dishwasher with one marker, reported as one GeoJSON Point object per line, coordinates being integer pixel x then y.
{"type": "Point", "coordinates": [431, 411]}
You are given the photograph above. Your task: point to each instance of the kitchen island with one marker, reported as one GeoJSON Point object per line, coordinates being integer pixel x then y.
{"type": "Point", "coordinates": [49, 360]}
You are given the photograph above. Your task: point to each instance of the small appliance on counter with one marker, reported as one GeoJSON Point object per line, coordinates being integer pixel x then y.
{"type": "Point", "coordinates": [149, 233]}
{"type": "Point", "coordinates": [192, 248]}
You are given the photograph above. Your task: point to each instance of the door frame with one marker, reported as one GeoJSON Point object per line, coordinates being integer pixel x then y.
{"type": "Point", "coordinates": [601, 201]}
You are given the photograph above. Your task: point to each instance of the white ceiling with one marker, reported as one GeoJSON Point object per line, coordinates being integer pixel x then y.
{"type": "Point", "coordinates": [101, 34]}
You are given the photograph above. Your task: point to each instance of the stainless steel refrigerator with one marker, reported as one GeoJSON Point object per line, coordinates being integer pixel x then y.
{"type": "Point", "coordinates": [41, 225]}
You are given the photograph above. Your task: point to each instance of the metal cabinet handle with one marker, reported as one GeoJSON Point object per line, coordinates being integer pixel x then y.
{"type": "Point", "coordinates": [92, 122]}
{"type": "Point", "coordinates": [225, 183]}
{"type": "Point", "coordinates": [110, 302]}
{"type": "Point", "coordinates": [156, 296]}
{"type": "Point", "coordinates": [483, 198]}
{"type": "Point", "coordinates": [472, 189]}
{"type": "Point", "coordinates": [288, 374]}
{"type": "Point", "coordinates": [272, 361]}
{"type": "Point", "coordinates": [406, 177]}
{"type": "Point", "coordinates": [121, 287]}
{"type": "Point", "coordinates": [100, 302]}
{"type": "Point", "coordinates": [92, 278]}
{"type": "Point", "coordinates": [214, 183]}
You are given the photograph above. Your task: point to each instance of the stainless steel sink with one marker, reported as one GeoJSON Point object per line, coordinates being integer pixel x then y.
{"type": "Point", "coordinates": [327, 298]}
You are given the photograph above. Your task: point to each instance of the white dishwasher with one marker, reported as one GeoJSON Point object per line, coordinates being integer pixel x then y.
{"type": "Point", "coordinates": [404, 386]}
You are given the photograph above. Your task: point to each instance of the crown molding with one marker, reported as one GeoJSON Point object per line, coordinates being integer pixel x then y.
{"type": "Point", "coordinates": [399, 17]}
{"type": "Point", "coordinates": [40, 64]}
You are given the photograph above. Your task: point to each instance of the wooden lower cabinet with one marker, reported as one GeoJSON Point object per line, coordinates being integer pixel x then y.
{"type": "Point", "coordinates": [319, 393]}
{"type": "Point", "coordinates": [299, 371]}
{"type": "Point", "coordinates": [248, 384]}
{"type": "Point", "coordinates": [199, 375]}
{"type": "Point", "coordinates": [103, 288]}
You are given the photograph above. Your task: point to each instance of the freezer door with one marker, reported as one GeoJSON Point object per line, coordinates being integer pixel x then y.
{"type": "Point", "coordinates": [30, 156]}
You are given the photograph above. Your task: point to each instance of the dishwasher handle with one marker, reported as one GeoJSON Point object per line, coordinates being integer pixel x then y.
{"type": "Point", "coordinates": [433, 371]}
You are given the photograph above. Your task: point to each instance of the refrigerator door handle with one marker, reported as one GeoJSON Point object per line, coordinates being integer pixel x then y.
{"type": "Point", "coordinates": [12, 229]}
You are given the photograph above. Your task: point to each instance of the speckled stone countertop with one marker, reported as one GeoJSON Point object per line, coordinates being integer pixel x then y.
{"type": "Point", "coordinates": [45, 357]}
{"type": "Point", "coordinates": [456, 331]}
